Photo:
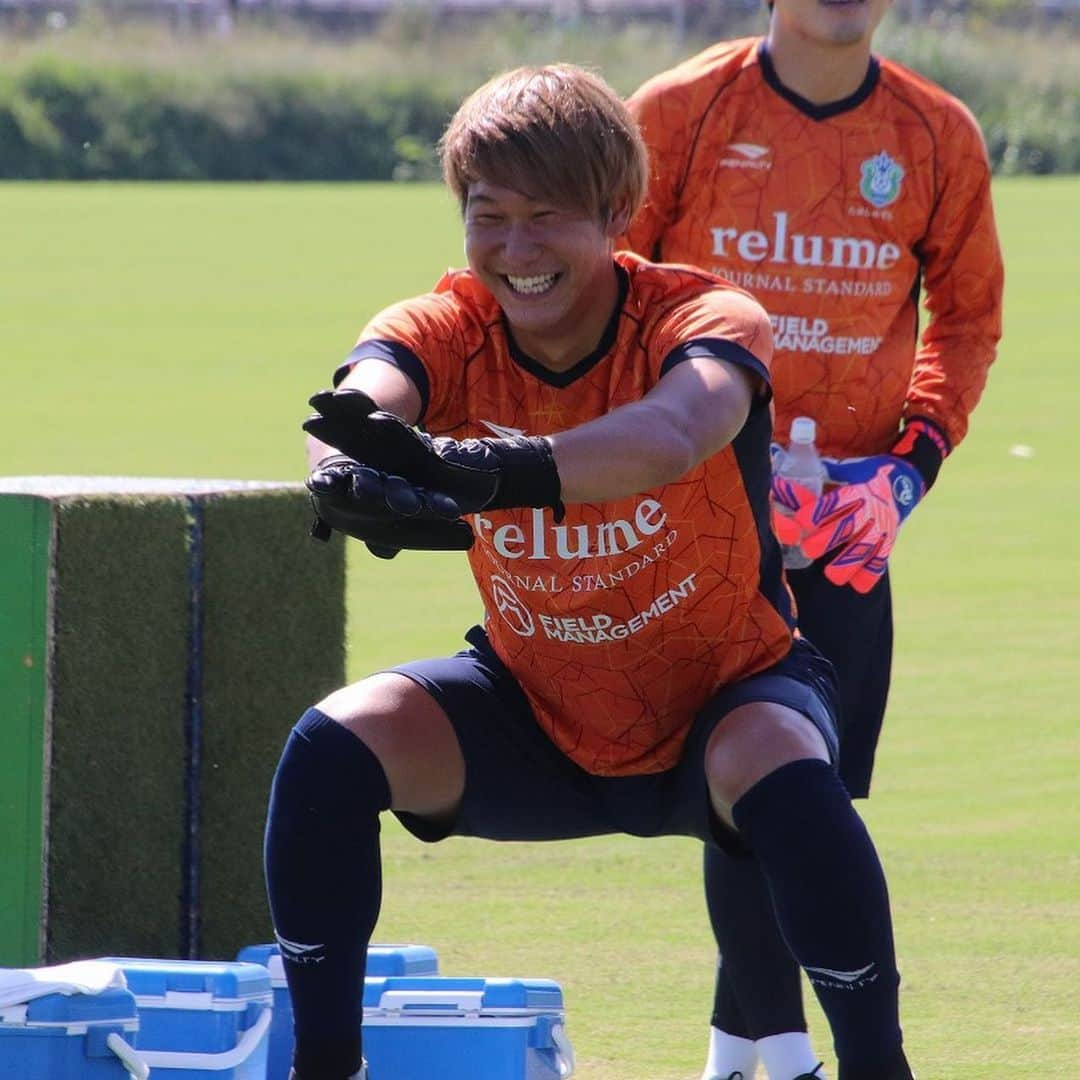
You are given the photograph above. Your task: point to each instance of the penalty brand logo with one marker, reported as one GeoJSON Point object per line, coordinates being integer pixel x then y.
{"type": "Point", "coordinates": [745, 155]}
{"type": "Point", "coordinates": [501, 431]}
{"type": "Point", "coordinates": [296, 952]}
{"type": "Point", "coordinates": [749, 150]}
{"type": "Point", "coordinates": [881, 179]}
{"type": "Point", "coordinates": [834, 979]}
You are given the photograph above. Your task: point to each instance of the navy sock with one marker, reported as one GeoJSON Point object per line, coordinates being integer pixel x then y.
{"type": "Point", "coordinates": [758, 988]}
{"type": "Point", "coordinates": [324, 880]}
{"type": "Point", "coordinates": [832, 905]}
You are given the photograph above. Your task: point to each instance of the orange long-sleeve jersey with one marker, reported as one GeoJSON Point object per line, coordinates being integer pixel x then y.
{"type": "Point", "coordinates": [621, 620]}
{"type": "Point", "coordinates": [833, 216]}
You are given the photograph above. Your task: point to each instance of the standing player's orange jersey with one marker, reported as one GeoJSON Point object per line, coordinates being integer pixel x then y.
{"type": "Point", "coordinates": [830, 215]}
{"type": "Point", "coordinates": [622, 620]}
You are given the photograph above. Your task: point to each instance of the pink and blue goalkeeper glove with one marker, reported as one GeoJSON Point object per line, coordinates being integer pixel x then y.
{"type": "Point", "coordinates": [861, 516]}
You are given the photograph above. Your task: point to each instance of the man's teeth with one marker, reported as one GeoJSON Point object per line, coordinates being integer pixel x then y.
{"type": "Point", "coordinates": [537, 284]}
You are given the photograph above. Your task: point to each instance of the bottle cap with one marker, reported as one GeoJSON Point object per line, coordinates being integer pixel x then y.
{"type": "Point", "coordinates": [803, 429]}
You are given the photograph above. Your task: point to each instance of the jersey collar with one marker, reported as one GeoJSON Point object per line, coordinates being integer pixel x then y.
{"type": "Point", "coordinates": [584, 366]}
{"type": "Point", "coordinates": [831, 108]}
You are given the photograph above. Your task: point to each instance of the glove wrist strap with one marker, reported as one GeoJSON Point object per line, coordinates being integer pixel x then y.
{"type": "Point", "coordinates": [333, 459]}
{"type": "Point", "coordinates": [528, 474]}
{"type": "Point", "coordinates": [923, 445]}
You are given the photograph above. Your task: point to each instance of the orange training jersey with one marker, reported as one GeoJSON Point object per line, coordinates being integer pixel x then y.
{"type": "Point", "coordinates": [620, 622]}
{"type": "Point", "coordinates": [829, 215]}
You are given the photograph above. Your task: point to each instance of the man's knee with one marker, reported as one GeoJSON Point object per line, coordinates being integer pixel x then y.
{"type": "Point", "coordinates": [751, 742]}
{"type": "Point", "coordinates": [410, 734]}
{"type": "Point", "coordinates": [323, 763]}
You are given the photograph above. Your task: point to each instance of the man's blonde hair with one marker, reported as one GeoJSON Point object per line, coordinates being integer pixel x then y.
{"type": "Point", "coordinates": [556, 133]}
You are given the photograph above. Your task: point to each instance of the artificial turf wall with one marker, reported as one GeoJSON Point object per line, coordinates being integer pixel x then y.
{"type": "Point", "coordinates": [157, 640]}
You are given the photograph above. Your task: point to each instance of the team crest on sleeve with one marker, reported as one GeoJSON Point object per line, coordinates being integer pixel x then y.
{"type": "Point", "coordinates": [881, 179]}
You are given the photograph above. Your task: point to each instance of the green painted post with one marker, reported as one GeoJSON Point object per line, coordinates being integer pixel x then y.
{"type": "Point", "coordinates": [25, 545]}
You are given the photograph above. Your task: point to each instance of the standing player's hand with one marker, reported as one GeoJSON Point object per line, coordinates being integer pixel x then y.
{"type": "Point", "coordinates": [860, 516]}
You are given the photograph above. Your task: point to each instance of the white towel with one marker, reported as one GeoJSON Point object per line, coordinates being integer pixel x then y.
{"type": "Point", "coordinates": [20, 985]}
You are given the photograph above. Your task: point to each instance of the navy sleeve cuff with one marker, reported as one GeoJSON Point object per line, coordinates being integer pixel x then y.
{"type": "Point", "coordinates": [720, 349]}
{"type": "Point", "coordinates": [392, 352]}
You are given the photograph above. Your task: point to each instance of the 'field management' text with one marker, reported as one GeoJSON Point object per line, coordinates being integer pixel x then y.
{"type": "Point", "coordinates": [601, 628]}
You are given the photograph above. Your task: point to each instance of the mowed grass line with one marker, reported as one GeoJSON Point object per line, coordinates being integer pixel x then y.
{"type": "Point", "coordinates": [175, 330]}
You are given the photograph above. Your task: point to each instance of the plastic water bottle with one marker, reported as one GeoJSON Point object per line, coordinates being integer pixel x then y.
{"type": "Point", "coordinates": [801, 463]}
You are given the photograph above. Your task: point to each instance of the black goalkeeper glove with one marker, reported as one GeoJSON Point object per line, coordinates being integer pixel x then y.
{"type": "Point", "coordinates": [386, 512]}
{"type": "Point", "coordinates": [477, 474]}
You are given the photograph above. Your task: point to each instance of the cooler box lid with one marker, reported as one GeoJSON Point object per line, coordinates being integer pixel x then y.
{"type": "Point", "coordinates": [386, 960]}
{"type": "Point", "coordinates": [147, 978]}
{"type": "Point", "coordinates": [116, 1006]}
{"type": "Point", "coordinates": [413, 996]}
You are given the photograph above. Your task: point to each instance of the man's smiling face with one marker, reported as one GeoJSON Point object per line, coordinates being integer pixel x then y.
{"type": "Point", "coordinates": [549, 267]}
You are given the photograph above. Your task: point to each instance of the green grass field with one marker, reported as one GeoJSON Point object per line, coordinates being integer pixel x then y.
{"type": "Point", "coordinates": [177, 330]}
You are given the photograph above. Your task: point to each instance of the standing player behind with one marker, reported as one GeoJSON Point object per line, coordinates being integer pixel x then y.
{"type": "Point", "coordinates": [637, 671]}
{"type": "Point", "coordinates": [830, 184]}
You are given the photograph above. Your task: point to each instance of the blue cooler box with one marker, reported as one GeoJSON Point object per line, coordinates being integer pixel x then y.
{"type": "Point", "coordinates": [200, 1020]}
{"type": "Point", "coordinates": [383, 960]}
{"type": "Point", "coordinates": [71, 1037]}
{"type": "Point", "coordinates": [465, 1029]}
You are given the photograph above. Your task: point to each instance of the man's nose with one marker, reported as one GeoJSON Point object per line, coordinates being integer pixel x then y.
{"type": "Point", "coordinates": [520, 240]}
